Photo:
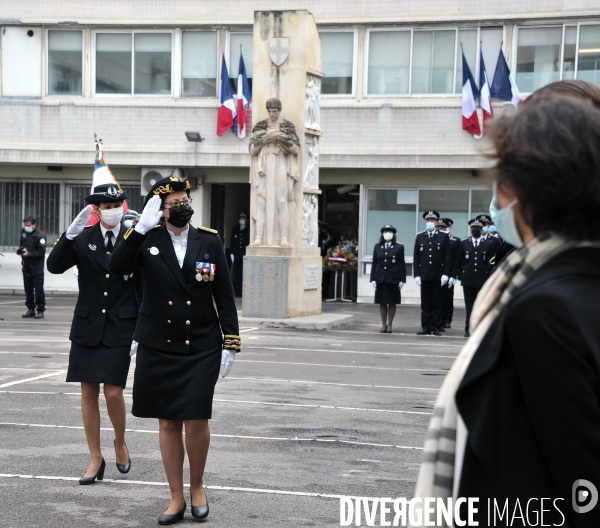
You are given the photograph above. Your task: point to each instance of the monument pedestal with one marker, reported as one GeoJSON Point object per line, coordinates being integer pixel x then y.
{"type": "Point", "coordinates": [281, 281]}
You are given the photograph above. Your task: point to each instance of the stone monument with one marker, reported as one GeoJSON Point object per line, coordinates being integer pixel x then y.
{"type": "Point", "coordinates": [282, 271]}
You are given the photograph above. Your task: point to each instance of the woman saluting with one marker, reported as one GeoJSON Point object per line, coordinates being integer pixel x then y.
{"type": "Point", "coordinates": [182, 338]}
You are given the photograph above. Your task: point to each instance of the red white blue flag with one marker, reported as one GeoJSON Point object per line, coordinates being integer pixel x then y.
{"type": "Point", "coordinates": [504, 86]}
{"type": "Point", "coordinates": [485, 98]}
{"type": "Point", "coordinates": [470, 120]}
{"type": "Point", "coordinates": [244, 96]}
{"type": "Point", "coordinates": [227, 111]}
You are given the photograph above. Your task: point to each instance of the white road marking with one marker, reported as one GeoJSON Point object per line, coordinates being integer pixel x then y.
{"type": "Point", "coordinates": [219, 488]}
{"type": "Point", "coordinates": [10, 384]}
{"type": "Point", "coordinates": [22, 368]}
{"type": "Point", "coordinates": [65, 340]}
{"type": "Point", "coordinates": [331, 383]}
{"type": "Point", "coordinates": [248, 329]}
{"type": "Point", "coordinates": [12, 302]}
{"type": "Point", "coordinates": [215, 435]}
{"type": "Point", "coordinates": [348, 352]}
{"type": "Point", "coordinates": [317, 364]}
{"type": "Point", "coordinates": [418, 341]}
{"type": "Point", "coordinates": [34, 352]}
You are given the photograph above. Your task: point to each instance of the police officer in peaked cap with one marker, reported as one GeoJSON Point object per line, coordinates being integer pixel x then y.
{"type": "Point", "coordinates": [187, 329]}
{"type": "Point", "coordinates": [474, 266]}
{"type": "Point", "coordinates": [104, 321]}
{"type": "Point", "coordinates": [432, 267]}
{"type": "Point", "coordinates": [240, 239]}
{"type": "Point", "coordinates": [448, 310]}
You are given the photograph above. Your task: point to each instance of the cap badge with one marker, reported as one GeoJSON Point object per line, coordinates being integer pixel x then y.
{"type": "Point", "coordinates": [112, 191]}
{"type": "Point", "coordinates": [174, 178]}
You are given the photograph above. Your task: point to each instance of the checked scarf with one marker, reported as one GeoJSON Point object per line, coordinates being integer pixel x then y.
{"type": "Point", "coordinates": [436, 474]}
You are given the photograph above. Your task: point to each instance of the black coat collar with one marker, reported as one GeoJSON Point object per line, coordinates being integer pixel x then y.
{"type": "Point", "coordinates": [95, 239]}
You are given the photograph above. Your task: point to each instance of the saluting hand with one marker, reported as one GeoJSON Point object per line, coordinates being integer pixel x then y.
{"type": "Point", "coordinates": [150, 215]}
{"type": "Point", "coordinates": [78, 225]}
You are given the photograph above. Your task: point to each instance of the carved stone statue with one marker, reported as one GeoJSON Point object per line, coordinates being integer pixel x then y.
{"type": "Point", "coordinates": [310, 213]}
{"type": "Point", "coordinates": [274, 148]}
{"type": "Point", "coordinates": [311, 173]}
{"type": "Point", "coordinates": [313, 103]}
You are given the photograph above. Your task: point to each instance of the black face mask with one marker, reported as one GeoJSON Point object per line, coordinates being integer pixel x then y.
{"type": "Point", "coordinates": [180, 216]}
{"type": "Point", "coordinates": [476, 232]}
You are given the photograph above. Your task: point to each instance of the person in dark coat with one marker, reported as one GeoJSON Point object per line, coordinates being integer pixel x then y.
{"type": "Point", "coordinates": [388, 275]}
{"type": "Point", "coordinates": [240, 239]}
{"type": "Point", "coordinates": [474, 266]}
{"type": "Point", "coordinates": [445, 226]}
{"type": "Point", "coordinates": [187, 328]}
{"type": "Point", "coordinates": [521, 403]}
{"type": "Point", "coordinates": [33, 252]}
{"type": "Point", "coordinates": [325, 243]}
{"type": "Point", "coordinates": [105, 317]}
{"type": "Point", "coordinates": [432, 267]}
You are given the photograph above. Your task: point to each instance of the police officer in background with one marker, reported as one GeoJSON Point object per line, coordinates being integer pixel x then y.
{"type": "Point", "coordinates": [445, 225]}
{"type": "Point", "coordinates": [432, 267]}
{"type": "Point", "coordinates": [486, 234]}
{"type": "Point", "coordinates": [33, 251]}
{"type": "Point", "coordinates": [130, 218]}
{"type": "Point", "coordinates": [240, 238]}
{"type": "Point", "coordinates": [474, 265]}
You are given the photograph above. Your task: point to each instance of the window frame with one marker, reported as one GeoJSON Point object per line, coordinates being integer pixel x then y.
{"type": "Point", "coordinates": [218, 65]}
{"type": "Point", "coordinates": [227, 51]}
{"type": "Point", "coordinates": [412, 30]}
{"type": "Point", "coordinates": [47, 66]}
{"type": "Point", "coordinates": [564, 25]}
{"type": "Point", "coordinates": [354, 32]}
{"type": "Point", "coordinates": [132, 32]}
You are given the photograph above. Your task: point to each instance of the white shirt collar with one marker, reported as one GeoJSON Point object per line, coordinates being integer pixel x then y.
{"type": "Point", "coordinates": [115, 230]}
{"type": "Point", "coordinates": [183, 236]}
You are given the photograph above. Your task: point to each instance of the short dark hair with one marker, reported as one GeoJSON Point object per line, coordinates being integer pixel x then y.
{"type": "Point", "coordinates": [29, 218]}
{"type": "Point", "coordinates": [274, 103]}
{"type": "Point", "coordinates": [547, 154]}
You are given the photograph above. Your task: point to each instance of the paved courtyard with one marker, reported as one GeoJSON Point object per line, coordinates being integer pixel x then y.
{"type": "Point", "coordinates": [304, 417]}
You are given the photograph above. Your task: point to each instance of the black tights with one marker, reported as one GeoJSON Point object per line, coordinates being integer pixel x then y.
{"type": "Point", "coordinates": [387, 312]}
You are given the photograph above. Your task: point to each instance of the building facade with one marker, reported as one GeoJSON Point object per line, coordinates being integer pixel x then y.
{"type": "Point", "coordinates": [142, 73]}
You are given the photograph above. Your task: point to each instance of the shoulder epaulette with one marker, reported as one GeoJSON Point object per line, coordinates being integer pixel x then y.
{"type": "Point", "coordinates": [87, 227]}
{"type": "Point", "coordinates": [157, 226]}
{"type": "Point", "coordinates": [208, 229]}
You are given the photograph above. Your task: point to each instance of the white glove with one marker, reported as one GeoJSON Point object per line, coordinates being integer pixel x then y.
{"type": "Point", "coordinates": [451, 282]}
{"type": "Point", "coordinates": [227, 359]}
{"type": "Point", "coordinates": [78, 225]}
{"type": "Point", "coordinates": [418, 281]}
{"type": "Point", "coordinates": [444, 280]}
{"type": "Point", "coordinates": [400, 285]}
{"type": "Point", "coordinates": [150, 216]}
{"type": "Point", "coordinates": [76, 272]}
{"type": "Point", "coordinates": [232, 257]}
{"type": "Point", "coordinates": [374, 284]}
{"type": "Point", "coordinates": [133, 350]}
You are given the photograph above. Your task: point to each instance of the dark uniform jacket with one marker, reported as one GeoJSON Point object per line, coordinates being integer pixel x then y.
{"type": "Point", "coordinates": [530, 397]}
{"type": "Point", "coordinates": [106, 309]}
{"type": "Point", "coordinates": [432, 256]}
{"type": "Point", "coordinates": [388, 264]}
{"type": "Point", "coordinates": [239, 240]}
{"type": "Point", "coordinates": [35, 244]}
{"type": "Point", "coordinates": [474, 266]}
{"type": "Point", "coordinates": [455, 252]}
{"type": "Point", "coordinates": [178, 311]}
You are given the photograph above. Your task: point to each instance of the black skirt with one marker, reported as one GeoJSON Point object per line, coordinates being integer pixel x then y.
{"type": "Point", "coordinates": [175, 386]}
{"type": "Point", "coordinates": [99, 364]}
{"type": "Point", "coordinates": [387, 294]}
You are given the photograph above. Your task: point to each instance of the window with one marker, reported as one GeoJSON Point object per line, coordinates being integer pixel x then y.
{"type": "Point", "coordinates": [138, 60]}
{"type": "Point", "coordinates": [337, 51]}
{"type": "Point", "coordinates": [548, 54]}
{"type": "Point", "coordinates": [21, 61]}
{"type": "Point", "coordinates": [419, 62]}
{"type": "Point", "coordinates": [21, 199]}
{"type": "Point", "coordinates": [245, 39]}
{"type": "Point", "coordinates": [65, 62]}
{"type": "Point", "coordinates": [404, 207]}
{"type": "Point", "coordinates": [199, 64]}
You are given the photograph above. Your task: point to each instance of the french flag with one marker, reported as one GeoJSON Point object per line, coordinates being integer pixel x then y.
{"type": "Point", "coordinates": [244, 96]}
{"type": "Point", "coordinates": [227, 112]}
{"type": "Point", "coordinates": [504, 86]}
{"type": "Point", "coordinates": [470, 121]}
{"type": "Point", "coordinates": [485, 98]}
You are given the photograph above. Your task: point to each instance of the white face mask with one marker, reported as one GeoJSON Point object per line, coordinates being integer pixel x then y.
{"type": "Point", "coordinates": [28, 229]}
{"type": "Point", "coordinates": [242, 222]}
{"type": "Point", "coordinates": [485, 229]}
{"type": "Point", "coordinates": [430, 226]}
{"type": "Point", "coordinates": [128, 223]}
{"type": "Point", "coordinates": [112, 217]}
{"type": "Point", "coordinates": [387, 236]}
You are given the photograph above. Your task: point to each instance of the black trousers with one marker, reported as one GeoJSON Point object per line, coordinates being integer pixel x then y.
{"type": "Point", "coordinates": [432, 303]}
{"type": "Point", "coordinates": [325, 284]}
{"type": "Point", "coordinates": [448, 310]}
{"type": "Point", "coordinates": [238, 275]}
{"type": "Point", "coordinates": [33, 279]}
{"type": "Point", "coordinates": [470, 296]}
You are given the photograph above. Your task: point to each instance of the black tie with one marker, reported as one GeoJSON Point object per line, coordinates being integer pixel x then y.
{"type": "Point", "coordinates": [109, 244]}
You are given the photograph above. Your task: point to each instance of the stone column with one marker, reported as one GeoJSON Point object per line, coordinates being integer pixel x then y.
{"type": "Point", "coordinates": [282, 276]}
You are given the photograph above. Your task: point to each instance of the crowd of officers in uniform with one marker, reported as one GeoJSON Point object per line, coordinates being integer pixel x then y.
{"type": "Point", "coordinates": [441, 259]}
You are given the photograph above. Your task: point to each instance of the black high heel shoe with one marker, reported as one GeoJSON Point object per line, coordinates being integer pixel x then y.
{"type": "Point", "coordinates": [98, 476]}
{"type": "Point", "coordinates": [123, 468]}
{"type": "Point", "coordinates": [199, 513]}
{"type": "Point", "coordinates": [172, 518]}
{"type": "Point", "coordinates": [383, 329]}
